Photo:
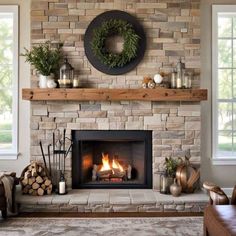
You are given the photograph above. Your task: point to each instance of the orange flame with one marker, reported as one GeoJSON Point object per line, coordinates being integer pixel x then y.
{"type": "Point", "coordinates": [116, 165]}
{"type": "Point", "coordinates": [106, 163]}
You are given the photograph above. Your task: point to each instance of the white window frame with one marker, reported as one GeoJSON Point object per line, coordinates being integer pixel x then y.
{"type": "Point", "coordinates": [215, 10]}
{"type": "Point", "coordinates": [13, 153]}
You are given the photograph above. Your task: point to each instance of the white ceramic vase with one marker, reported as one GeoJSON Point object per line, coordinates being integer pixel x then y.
{"type": "Point", "coordinates": [43, 80]}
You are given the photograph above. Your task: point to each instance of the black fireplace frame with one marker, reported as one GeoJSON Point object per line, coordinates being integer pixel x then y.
{"type": "Point", "coordinates": [129, 135]}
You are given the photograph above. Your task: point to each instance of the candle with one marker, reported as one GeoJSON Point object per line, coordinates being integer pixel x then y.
{"type": "Point", "coordinates": [179, 80]}
{"type": "Point", "coordinates": [64, 79]}
{"type": "Point", "coordinates": [178, 83]}
{"type": "Point", "coordinates": [62, 187]}
{"type": "Point", "coordinates": [75, 83]}
{"type": "Point", "coordinates": [173, 80]}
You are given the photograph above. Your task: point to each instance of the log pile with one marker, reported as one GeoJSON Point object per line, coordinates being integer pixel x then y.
{"type": "Point", "coordinates": [35, 181]}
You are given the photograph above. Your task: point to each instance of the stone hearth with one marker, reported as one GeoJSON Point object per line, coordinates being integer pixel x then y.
{"type": "Point", "coordinates": [126, 200]}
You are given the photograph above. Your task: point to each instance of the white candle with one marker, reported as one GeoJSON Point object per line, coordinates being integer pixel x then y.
{"type": "Point", "coordinates": [62, 187]}
{"type": "Point", "coordinates": [75, 83]}
{"type": "Point", "coordinates": [64, 79]}
{"type": "Point", "coordinates": [178, 82]}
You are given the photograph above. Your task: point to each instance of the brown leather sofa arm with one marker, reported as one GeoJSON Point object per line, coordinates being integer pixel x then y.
{"type": "Point", "coordinates": [217, 195]}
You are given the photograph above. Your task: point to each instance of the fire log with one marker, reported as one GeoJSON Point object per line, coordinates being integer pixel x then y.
{"type": "Point", "coordinates": [116, 173]}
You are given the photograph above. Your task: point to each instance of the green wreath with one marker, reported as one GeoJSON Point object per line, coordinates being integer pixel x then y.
{"type": "Point", "coordinates": [108, 29]}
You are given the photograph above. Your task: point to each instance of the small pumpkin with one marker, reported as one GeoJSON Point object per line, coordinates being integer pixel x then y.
{"type": "Point", "coordinates": [187, 176]}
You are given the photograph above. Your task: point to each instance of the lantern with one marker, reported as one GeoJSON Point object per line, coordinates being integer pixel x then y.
{"type": "Point", "coordinates": [165, 182]}
{"type": "Point", "coordinates": [66, 75]}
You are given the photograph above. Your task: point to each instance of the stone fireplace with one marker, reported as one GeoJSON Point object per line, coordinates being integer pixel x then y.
{"type": "Point", "coordinates": [111, 159]}
{"type": "Point", "coordinates": [172, 31]}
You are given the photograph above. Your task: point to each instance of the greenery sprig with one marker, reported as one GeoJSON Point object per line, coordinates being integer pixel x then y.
{"type": "Point", "coordinates": [44, 57]}
{"type": "Point", "coordinates": [171, 166]}
{"type": "Point", "coordinates": [110, 28]}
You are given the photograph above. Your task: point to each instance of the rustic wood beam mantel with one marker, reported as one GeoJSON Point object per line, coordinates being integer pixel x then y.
{"type": "Point", "coordinates": [93, 94]}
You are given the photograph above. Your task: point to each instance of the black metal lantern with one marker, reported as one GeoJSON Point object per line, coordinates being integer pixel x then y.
{"type": "Point", "coordinates": [66, 75]}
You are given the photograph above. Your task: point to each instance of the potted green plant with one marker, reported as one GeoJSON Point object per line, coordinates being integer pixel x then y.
{"type": "Point", "coordinates": [46, 60]}
{"type": "Point", "coordinates": [168, 175]}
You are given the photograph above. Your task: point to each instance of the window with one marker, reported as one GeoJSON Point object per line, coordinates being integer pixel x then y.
{"type": "Point", "coordinates": [8, 80]}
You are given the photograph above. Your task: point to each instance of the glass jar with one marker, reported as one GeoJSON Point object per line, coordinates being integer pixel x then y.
{"type": "Point", "coordinates": [165, 182]}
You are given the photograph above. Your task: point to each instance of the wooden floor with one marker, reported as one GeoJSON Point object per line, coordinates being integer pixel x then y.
{"type": "Point", "coordinates": [110, 214]}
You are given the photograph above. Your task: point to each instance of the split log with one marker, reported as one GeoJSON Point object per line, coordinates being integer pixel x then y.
{"type": "Point", "coordinates": [47, 182]}
{"type": "Point", "coordinates": [49, 191]}
{"type": "Point", "coordinates": [31, 180]}
{"type": "Point", "coordinates": [39, 180]}
{"type": "Point", "coordinates": [35, 186]}
{"type": "Point", "coordinates": [40, 192]}
{"type": "Point", "coordinates": [24, 182]}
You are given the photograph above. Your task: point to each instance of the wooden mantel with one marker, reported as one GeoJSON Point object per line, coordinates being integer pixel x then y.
{"type": "Point", "coordinates": [93, 94]}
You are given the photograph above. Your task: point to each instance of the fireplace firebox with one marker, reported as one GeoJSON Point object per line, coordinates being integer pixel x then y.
{"type": "Point", "coordinates": [111, 159]}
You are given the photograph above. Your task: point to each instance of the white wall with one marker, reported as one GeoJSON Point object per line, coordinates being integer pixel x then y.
{"type": "Point", "coordinates": [24, 81]}
{"type": "Point", "coordinates": [224, 176]}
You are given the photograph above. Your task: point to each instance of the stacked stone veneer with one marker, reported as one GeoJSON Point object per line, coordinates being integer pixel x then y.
{"type": "Point", "coordinates": [173, 30]}
{"type": "Point", "coordinates": [176, 127]}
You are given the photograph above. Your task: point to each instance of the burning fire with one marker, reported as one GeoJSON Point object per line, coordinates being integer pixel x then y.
{"type": "Point", "coordinates": [116, 165]}
{"type": "Point", "coordinates": [107, 166]}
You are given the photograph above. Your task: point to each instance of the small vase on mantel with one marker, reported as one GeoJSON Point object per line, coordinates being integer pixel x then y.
{"type": "Point", "coordinates": [175, 189]}
{"type": "Point", "coordinates": [46, 81]}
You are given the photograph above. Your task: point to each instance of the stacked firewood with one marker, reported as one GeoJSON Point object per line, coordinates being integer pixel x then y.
{"type": "Point", "coordinates": [35, 180]}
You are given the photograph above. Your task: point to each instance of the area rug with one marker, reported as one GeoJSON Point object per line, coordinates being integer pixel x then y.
{"type": "Point", "coordinates": [154, 226]}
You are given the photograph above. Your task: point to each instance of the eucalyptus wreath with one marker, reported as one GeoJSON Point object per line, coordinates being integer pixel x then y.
{"type": "Point", "coordinates": [110, 28]}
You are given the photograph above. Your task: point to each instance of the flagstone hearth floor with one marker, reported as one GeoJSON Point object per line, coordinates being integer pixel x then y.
{"type": "Point", "coordinates": [115, 200]}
